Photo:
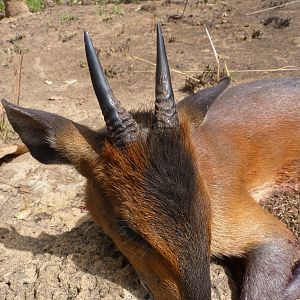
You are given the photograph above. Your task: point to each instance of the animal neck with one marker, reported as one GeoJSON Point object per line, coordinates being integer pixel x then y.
{"type": "Point", "coordinates": [195, 262]}
{"type": "Point", "coordinates": [196, 275]}
{"type": "Point", "coordinates": [183, 197]}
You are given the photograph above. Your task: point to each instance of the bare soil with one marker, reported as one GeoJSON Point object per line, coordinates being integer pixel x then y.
{"type": "Point", "coordinates": [49, 246]}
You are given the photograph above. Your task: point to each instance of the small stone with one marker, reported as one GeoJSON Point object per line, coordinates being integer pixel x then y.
{"type": "Point", "coordinates": [23, 214]}
{"type": "Point", "coordinates": [71, 81]}
{"type": "Point", "coordinates": [49, 82]}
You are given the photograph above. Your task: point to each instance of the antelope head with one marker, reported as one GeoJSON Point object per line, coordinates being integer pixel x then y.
{"type": "Point", "coordinates": [143, 183]}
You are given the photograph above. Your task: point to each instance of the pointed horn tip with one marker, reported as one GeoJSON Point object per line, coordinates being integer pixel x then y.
{"type": "Point", "coordinates": [86, 36]}
{"type": "Point", "coordinates": [160, 38]}
{"type": "Point", "coordinates": [159, 30]}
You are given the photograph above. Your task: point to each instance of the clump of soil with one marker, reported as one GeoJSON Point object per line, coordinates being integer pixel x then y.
{"type": "Point", "coordinates": [205, 79]}
{"type": "Point", "coordinates": [148, 7]}
{"type": "Point", "coordinates": [276, 22]}
{"type": "Point", "coordinates": [274, 3]}
{"type": "Point", "coordinates": [256, 34]}
{"type": "Point", "coordinates": [113, 71]}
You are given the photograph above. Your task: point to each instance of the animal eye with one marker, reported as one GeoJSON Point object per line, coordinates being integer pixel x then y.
{"type": "Point", "coordinates": [127, 232]}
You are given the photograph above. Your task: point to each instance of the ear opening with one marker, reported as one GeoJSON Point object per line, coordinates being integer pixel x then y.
{"type": "Point", "coordinates": [52, 139]}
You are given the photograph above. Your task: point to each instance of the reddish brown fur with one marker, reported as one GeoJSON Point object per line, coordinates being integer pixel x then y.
{"type": "Point", "coordinates": [250, 163]}
{"type": "Point", "coordinates": [119, 177]}
{"type": "Point", "coordinates": [247, 139]}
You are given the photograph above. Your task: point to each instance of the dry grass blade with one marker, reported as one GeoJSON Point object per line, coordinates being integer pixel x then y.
{"type": "Point", "coordinates": [226, 68]}
{"type": "Point", "coordinates": [186, 2]}
{"type": "Point", "coordinates": [173, 70]}
{"type": "Point", "coordinates": [270, 8]}
{"type": "Point", "coordinates": [4, 181]}
{"type": "Point", "coordinates": [4, 125]}
{"type": "Point", "coordinates": [17, 80]}
{"type": "Point", "coordinates": [282, 69]}
{"type": "Point", "coordinates": [16, 92]}
{"type": "Point", "coordinates": [215, 53]}
{"type": "Point", "coordinates": [228, 71]}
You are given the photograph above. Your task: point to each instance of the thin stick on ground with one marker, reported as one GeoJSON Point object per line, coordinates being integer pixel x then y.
{"type": "Point", "coordinates": [173, 70]}
{"type": "Point", "coordinates": [186, 2]}
{"type": "Point", "coordinates": [16, 92]}
{"type": "Point", "coordinates": [215, 53]}
{"type": "Point", "coordinates": [282, 69]}
{"type": "Point", "coordinates": [4, 126]}
{"type": "Point", "coordinates": [4, 181]}
{"type": "Point", "coordinates": [17, 81]}
{"type": "Point", "coordinates": [228, 71]}
{"type": "Point", "coordinates": [270, 8]}
{"type": "Point", "coordinates": [4, 205]}
{"type": "Point", "coordinates": [19, 78]}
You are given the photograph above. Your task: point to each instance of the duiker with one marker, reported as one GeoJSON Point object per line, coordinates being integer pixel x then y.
{"type": "Point", "coordinates": [172, 187]}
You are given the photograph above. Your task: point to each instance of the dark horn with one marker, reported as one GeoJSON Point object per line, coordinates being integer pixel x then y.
{"type": "Point", "coordinates": [120, 124]}
{"type": "Point", "coordinates": [165, 106]}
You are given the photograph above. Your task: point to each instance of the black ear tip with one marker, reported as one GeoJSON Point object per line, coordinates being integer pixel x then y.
{"type": "Point", "coordinates": [226, 79]}
{"type": "Point", "coordinates": [7, 105]}
{"type": "Point", "coordinates": [4, 102]}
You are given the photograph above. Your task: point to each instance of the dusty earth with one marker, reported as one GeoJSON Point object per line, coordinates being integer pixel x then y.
{"type": "Point", "coordinates": [49, 246]}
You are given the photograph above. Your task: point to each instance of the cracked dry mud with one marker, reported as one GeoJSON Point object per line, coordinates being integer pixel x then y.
{"type": "Point", "coordinates": [49, 246]}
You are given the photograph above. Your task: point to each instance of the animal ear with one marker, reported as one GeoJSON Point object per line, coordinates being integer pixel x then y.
{"type": "Point", "coordinates": [197, 105]}
{"type": "Point", "coordinates": [52, 139]}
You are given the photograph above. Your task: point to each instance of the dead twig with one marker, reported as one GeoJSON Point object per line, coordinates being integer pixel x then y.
{"type": "Point", "coordinates": [4, 125]}
{"type": "Point", "coordinates": [282, 69]}
{"type": "Point", "coordinates": [16, 92]}
{"type": "Point", "coordinates": [4, 204]}
{"type": "Point", "coordinates": [173, 70]}
{"type": "Point", "coordinates": [186, 2]}
{"type": "Point", "coordinates": [17, 81]}
{"type": "Point", "coordinates": [233, 13]}
{"type": "Point", "coordinates": [270, 8]}
{"type": "Point", "coordinates": [8, 183]}
{"type": "Point", "coordinates": [228, 71]}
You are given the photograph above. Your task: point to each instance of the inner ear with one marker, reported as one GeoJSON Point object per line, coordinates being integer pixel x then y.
{"type": "Point", "coordinates": [53, 139]}
{"type": "Point", "coordinates": [37, 129]}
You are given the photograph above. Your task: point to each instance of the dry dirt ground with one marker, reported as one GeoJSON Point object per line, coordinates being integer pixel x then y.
{"type": "Point", "coordinates": [49, 246]}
